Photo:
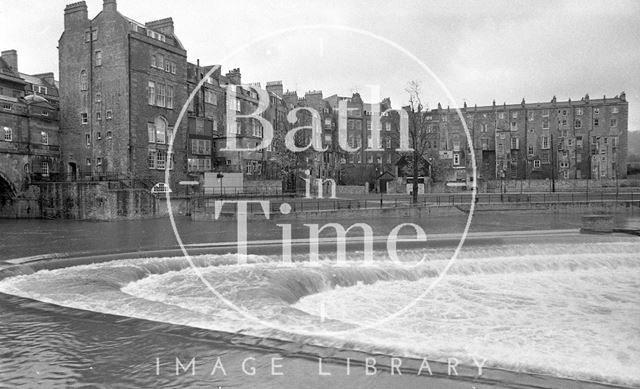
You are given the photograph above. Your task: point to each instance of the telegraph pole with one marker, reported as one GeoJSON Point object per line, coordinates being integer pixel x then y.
{"type": "Point", "coordinates": [553, 166]}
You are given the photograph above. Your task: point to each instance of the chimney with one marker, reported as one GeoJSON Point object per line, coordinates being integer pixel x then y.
{"type": "Point", "coordinates": [109, 6]}
{"type": "Point", "coordinates": [47, 77]}
{"type": "Point", "coordinates": [234, 76]}
{"type": "Point", "coordinates": [163, 26]}
{"type": "Point", "coordinates": [275, 87]}
{"type": "Point", "coordinates": [11, 58]}
{"type": "Point", "coordinates": [75, 14]}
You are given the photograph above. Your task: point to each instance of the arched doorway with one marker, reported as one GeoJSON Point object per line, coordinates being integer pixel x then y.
{"type": "Point", "coordinates": [72, 171]}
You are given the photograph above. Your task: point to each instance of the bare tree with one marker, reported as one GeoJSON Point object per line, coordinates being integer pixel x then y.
{"type": "Point", "coordinates": [419, 136]}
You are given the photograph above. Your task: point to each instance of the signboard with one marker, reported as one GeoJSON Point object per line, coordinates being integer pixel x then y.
{"type": "Point", "coordinates": [189, 183]}
{"type": "Point", "coordinates": [446, 154]}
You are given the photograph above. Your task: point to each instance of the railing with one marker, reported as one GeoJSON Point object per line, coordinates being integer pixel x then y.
{"type": "Point", "coordinates": [206, 203]}
{"type": "Point", "coordinates": [80, 176]}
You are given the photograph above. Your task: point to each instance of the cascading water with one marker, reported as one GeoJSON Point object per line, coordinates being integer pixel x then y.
{"type": "Point", "coordinates": [564, 309]}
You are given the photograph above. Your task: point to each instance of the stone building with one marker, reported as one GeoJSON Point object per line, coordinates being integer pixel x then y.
{"type": "Point", "coordinates": [29, 131]}
{"type": "Point", "coordinates": [122, 85]}
{"type": "Point", "coordinates": [560, 139]}
{"type": "Point", "coordinates": [207, 129]}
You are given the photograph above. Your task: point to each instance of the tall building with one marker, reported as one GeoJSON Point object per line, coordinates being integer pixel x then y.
{"type": "Point", "coordinates": [122, 85]}
{"type": "Point", "coordinates": [569, 139]}
{"type": "Point", "coordinates": [29, 131]}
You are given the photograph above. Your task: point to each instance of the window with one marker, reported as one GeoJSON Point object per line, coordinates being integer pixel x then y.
{"type": "Point", "coordinates": [161, 159]}
{"type": "Point", "coordinates": [615, 109]}
{"type": "Point", "coordinates": [596, 111]}
{"type": "Point", "coordinates": [94, 35]}
{"type": "Point", "coordinates": [173, 68]}
{"type": "Point", "coordinates": [578, 158]}
{"type": "Point", "coordinates": [564, 164]}
{"type": "Point", "coordinates": [483, 127]}
{"type": "Point", "coordinates": [515, 143]}
{"type": "Point", "coordinates": [152, 93]}
{"type": "Point", "coordinates": [98, 58]}
{"type": "Point", "coordinates": [27, 168]}
{"type": "Point", "coordinates": [160, 95]}
{"type": "Point", "coordinates": [579, 142]}
{"type": "Point", "coordinates": [614, 122]}
{"type": "Point", "coordinates": [545, 142]}
{"type": "Point", "coordinates": [84, 84]}
{"type": "Point", "coordinates": [514, 115]}
{"type": "Point", "coordinates": [579, 111]}
{"type": "Point", "coordinates": [570, 142]}
{"type": "Point", "coordinates": [536, 164]}
{"type": "Point", "coordinates": [387, 126]}
{"type": "Point", "coordinates": [87, 139]}
{"type": "Point", "coordinates": [160, 62]}
{"type": "Point", "coordinates": [387, 142]}
{"type": "Point", "coordinates": [596, 122]}
{"type": "Point", "coordinates": [545, 124]}
{"type": "Point", "coordinates": [614, 141]}
{"type": "Point", "coordinates": [109, 114]}
{"type": "Point", "coordinates": [109, 134]}
{"type": "Point", "coordinates": [161, 130]}
{"type": "Point", "coordinates": [531, 115]}
{"type": "Point", "coordinates": [530, 150]}
{"type": "Point", "coordinates": [578, 123]}
{"type": "Point", "coordinates": [456, 159]}
{"type": "Point", "coordinates": [8, 134]}
{"type": "Point", "coordinates": [167, 66]}
{"type": "Point", "coordinates": [151, 132]}
{"type": "Point", "coordinates": [564, 122]}
{"type": "Point", "coordinates": [87, 36]}
{"type": "Point", "coordinates": [500, 148]}
{"type": "Point", "coordinates": [485, 143]}
{"type": "Point", "coordinates": [88, 162]}
{"type": "Point", "coordinates": [99, 161]}
{"type": "Point", "coordinates": [153, 61]}
{"type": "Point", "coordinates": [45, 168]}
{"type": "Point", "coordinates": [44, 138]}
{"type": "Point", "coordinates": [210, 97]}
{"type": "Point", "coordinates": [98, 116]}
{"type": "Point", "coordinates": [170, 97]}
{"type": "Point", "coordinates": [45, 113]}
{"type": "Point", "coordinates": [545, 113]}
{"type": "Point", "coordinates": [84, 118]}
{"type": "Point", "coordinates": [514, 126]}
{"type": "Point", "coordinates": [98, 97]}
{"type": "Point", "coordinates": [501, 115]}
{"type": "Point", "coordinates": [151, 159]}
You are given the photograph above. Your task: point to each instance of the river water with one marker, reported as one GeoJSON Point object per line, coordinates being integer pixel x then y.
{"type": "Point", "coordinates": [566, 307]}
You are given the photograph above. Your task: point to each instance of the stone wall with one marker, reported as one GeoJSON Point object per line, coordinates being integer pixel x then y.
{"type": "Point", "coordinates": [350, 189]}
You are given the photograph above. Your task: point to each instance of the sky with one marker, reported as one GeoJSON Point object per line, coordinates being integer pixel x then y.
{"type": "Point", "coordinates": [472, 51]}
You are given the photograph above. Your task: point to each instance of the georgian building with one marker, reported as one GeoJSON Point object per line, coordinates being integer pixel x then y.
{"type": "Point", "coordinates": [122, 85]}
{"type": "Point", "coordinates": [569, 139]}
{"type": "Point", "coordinates": [29, 131]}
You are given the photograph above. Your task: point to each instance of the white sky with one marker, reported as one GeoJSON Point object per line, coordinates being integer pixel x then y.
{"type": "Point", "coordinates": [481, 50]}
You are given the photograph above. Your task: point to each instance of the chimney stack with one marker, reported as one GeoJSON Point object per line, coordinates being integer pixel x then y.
{"type": "Point", "coordinates": [234, 76]}
{"type": "Point", "coordinates": [11, 58]}
{"type": "Point", "coordinates": [163, 26]}
{"type": "Point", "coordinates": [275, 87]}
{"type": "Point", "coordinates": [109, 6]}
{"type": "Point", "coordinates": [75, 14]}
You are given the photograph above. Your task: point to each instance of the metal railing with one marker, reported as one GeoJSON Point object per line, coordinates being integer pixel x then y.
{"type": "Point", "coordinates": [297, 204]}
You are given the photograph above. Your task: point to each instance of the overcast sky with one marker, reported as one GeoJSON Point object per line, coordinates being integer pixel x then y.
{"type": "Point", "coordinates": [481, 50]}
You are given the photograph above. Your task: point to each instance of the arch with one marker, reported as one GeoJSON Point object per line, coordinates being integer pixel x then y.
{"type": "Point", "coordinates": [161, 126]}
{"type": "Point", "coordinates": [7, 190]}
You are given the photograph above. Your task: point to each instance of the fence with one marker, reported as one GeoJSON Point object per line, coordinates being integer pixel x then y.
{"type": "Point", "coordinates": [206, 203]}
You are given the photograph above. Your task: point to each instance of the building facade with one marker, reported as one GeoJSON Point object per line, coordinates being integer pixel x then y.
{"type": "Point", "coordinates": [583, 139]}
{"type": "Point", "coordinates": [122, 85]}
{"type": "Point", "coordinates": [29, 130]}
